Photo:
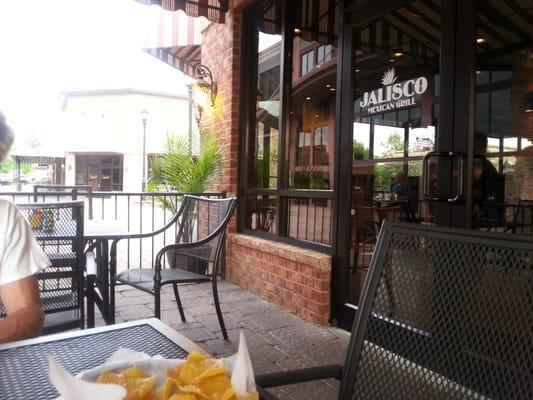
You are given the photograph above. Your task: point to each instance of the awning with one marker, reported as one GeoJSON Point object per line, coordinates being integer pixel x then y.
{"type": "Point", "coordinates": [175, 39]}
{"type": "Point", "coordinates": [184, 58]}
{"type": "Point", "coordinates": [213, 10]}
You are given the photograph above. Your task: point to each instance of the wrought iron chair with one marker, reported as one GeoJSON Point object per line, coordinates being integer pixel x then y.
{"type": "Point", "coordinates": [75, 192]}
{"type": "Point", "coordinates": [58, 228]}
{"type": "Point", "coordinates": [445, 314]}
{"type": "Point", "coordinates": [200, 227]}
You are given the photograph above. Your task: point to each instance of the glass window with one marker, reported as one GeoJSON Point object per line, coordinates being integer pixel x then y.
{"type": "Point", "coordinates": [320, 146]}
{"type": "Point", "coordinates": [307, 63]}
{"type": "Point", "coordinates": [306, 129]}
{"type": "Point", "coordinates": [261, 213]}
{"type": "Point", "coordinates": [324, 54]}
{"type": "Point", "coordinates": [263, 148]}
{"type": "Point", "coordinates": [312, 121]}
{"type": "Point", "coordinates": [503, 132]}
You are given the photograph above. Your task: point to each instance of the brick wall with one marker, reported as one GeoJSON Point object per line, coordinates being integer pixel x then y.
{"type": "Point", "coordinates": [296, 279]}
{"type": "Point", "coordinates": [221, 54]}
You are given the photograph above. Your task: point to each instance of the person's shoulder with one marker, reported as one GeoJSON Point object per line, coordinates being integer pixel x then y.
{"type": "Point", "coordinates": [7, 207]}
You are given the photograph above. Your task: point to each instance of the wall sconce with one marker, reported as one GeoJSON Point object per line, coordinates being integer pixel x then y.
{"type": "Point", "coordinates": [204, 89]}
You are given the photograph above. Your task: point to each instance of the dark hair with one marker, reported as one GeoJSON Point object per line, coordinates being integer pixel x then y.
{"type": "Point", "coordinates": [6, 138]}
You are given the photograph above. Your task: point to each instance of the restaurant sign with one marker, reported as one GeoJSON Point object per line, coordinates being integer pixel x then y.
{"type": "Point", "coordinates": [393, 95]}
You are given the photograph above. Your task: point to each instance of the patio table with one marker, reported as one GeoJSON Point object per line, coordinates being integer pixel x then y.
{"type": "Point", "coordinates": [98, 233]}
{"type": "Point", "coordinates": [24, 364]}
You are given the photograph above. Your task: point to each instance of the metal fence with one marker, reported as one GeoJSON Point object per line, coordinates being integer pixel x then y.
{"type": "Point", "coordinates": [135, 212]}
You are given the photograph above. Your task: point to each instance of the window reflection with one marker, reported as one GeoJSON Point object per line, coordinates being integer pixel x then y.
{"type": "Point", "coordinates": [264, 163]}
{"type": "Point", "coordinates": [503, 165]}
{"type": "Point", "coordinates": [312, 114]}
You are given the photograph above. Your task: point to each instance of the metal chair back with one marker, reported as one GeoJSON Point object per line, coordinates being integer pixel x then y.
{"type": "Point", "coordinates": [58, 228]}
{"type": "Point", "coordinates": [201, 220]}
{"type": "Point", "coordinates": [445, 314]}
{"type": "Point", "coordinates": [74, 192]}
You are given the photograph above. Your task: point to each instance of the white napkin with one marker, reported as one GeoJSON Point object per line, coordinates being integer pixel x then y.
{"type": "Point", "coordinates": [242, 374]}
{"type": "Point", "coordinates": [70, 388]}
{"type": "Point", "coordinates": [82, 387]}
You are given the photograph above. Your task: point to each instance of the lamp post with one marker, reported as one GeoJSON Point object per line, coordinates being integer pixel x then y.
{"type": "Point", "coordinates": [144, 118]}
{"type": "Point", "coordinates": [189, 89]}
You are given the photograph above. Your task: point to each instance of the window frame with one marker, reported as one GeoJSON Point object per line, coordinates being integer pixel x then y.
{"type": "Point", "coordinates": [282, 192]}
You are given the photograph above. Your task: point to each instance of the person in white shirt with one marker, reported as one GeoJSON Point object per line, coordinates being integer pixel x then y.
{"type": "Point", "coordinates": [20, 258]}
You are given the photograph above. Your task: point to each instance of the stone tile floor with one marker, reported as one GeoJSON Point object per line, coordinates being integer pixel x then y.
{"type": "Point", "coordinates": [277, 339]}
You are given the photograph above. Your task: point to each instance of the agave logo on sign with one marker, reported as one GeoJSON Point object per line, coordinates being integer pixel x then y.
{"type": "Point", "coordinates": [393, 95]}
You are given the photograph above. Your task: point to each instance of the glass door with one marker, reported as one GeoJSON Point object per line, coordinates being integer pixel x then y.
{"type": "Point", "coordinates": [502, 182]}
{"type": "Point", "coordinates": [454, 154]}
{"type": "Point", "coordinates": [395, 112]}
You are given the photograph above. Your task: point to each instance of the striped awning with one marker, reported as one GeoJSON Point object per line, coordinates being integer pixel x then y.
{"type": "Point", "coordinates": [176, 40]}
{"type": "Point", "coordinates": [184, 58]}
{"type": "Point", "coordinates": [213, 10]}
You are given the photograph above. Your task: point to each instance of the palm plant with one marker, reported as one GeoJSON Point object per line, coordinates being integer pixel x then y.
{"type": "Point", "coordinates": [186, 167]}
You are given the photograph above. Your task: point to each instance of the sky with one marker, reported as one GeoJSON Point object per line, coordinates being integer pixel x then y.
{"type": "Point", "coordinates": [51, 46]}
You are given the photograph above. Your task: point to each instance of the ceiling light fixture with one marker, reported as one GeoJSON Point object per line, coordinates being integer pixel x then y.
{"type": "Point", "coordinates": [480, 40]}
{"type": "Point", "coordinates": [398, 54]}
{"type": "Point", "coordinates": [308, 98]}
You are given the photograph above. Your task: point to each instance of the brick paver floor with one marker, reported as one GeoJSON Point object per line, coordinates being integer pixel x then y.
{"type": "Point", "coordinates": [277, 339]}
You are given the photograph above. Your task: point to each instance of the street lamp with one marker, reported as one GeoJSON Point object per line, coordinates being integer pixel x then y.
{"type": "Point", "coordinates": [189, 89]}
{"type": "Point", "coordinates": [144, 118]}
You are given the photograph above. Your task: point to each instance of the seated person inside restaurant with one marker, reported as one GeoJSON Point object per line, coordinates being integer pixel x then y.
{"type": "Point", "coordinates": [488, 186]}
{"type": "Point", "coordinates": [399, 187]}
{"type": "Point", "coordinates": [20, 258]}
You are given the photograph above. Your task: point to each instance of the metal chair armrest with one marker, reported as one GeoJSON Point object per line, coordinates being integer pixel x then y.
{"type": "Point", "coordinates": [299, 376]}
{"type": "Point", "coordinates": [175, 246]}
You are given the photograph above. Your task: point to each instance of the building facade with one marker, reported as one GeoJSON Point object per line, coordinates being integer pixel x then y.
{"type": "Point", "coordinates": [105, 131]}
{"type": "Point", "coordinates": [335, 115]}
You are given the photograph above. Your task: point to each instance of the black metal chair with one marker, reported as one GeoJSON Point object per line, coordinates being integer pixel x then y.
{"type": "Point", "coordinates": [74, 192]}
{"type": "Point", "coordinates": [196, 256]}
{"type": "Point", "coordinates": [58, 228]}
{"type": "Point", "coordinates": [445, 314]}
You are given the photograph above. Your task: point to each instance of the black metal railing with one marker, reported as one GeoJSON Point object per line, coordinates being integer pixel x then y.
{"type": "Point", "coordinates": [135, 212]}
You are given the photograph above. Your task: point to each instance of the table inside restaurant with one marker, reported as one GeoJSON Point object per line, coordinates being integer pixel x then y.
{"type": "Point", "coordinates": [24, 364]}
{"type": "Point", "coordinates": [408, 214]}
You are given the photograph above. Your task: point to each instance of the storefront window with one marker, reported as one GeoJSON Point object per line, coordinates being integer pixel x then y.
{"type": "Point", "coordinates": [312, 111]}
{"type": "Point", "coordinates": [503, 160]}
{"type": "Point", "coordinates": [102, 172]}
{"type": "Point", "coordinates": [396, 98]}
{"type": "Point", "coordinates": [304, 134]}
{"type": "Point", "coordinates": [264, 146]}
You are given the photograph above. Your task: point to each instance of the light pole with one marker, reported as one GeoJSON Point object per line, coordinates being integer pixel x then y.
{"type": "Point", "coordinates": [144, 118]}
{"type": "Point", "coordinates": [189, 89]}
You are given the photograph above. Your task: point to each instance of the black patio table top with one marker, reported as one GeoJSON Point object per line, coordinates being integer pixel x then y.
{"type": "Point", "coordinates": [24, 364]}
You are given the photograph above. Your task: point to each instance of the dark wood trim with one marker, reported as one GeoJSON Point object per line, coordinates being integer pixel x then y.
{"type": "Point", "coordinates": [323, 248]}
{"type": "Point", "coordinates": [464, 106]}
{"type": "Point", "coordinates": [249, 48]}
{"type": "Point", "coordinates": [287, 17]}
{"type": "Point", "coordinates": [342, 172]}
{"type": "Point", "coordinates": [444, 140]}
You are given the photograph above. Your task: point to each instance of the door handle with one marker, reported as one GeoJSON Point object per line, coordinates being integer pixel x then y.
{"type": "Point", "coordinates": [428, 182]}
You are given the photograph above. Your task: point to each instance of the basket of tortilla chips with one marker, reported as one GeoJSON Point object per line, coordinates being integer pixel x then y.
{"type": "Point", "coordinates": [131, 375]}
